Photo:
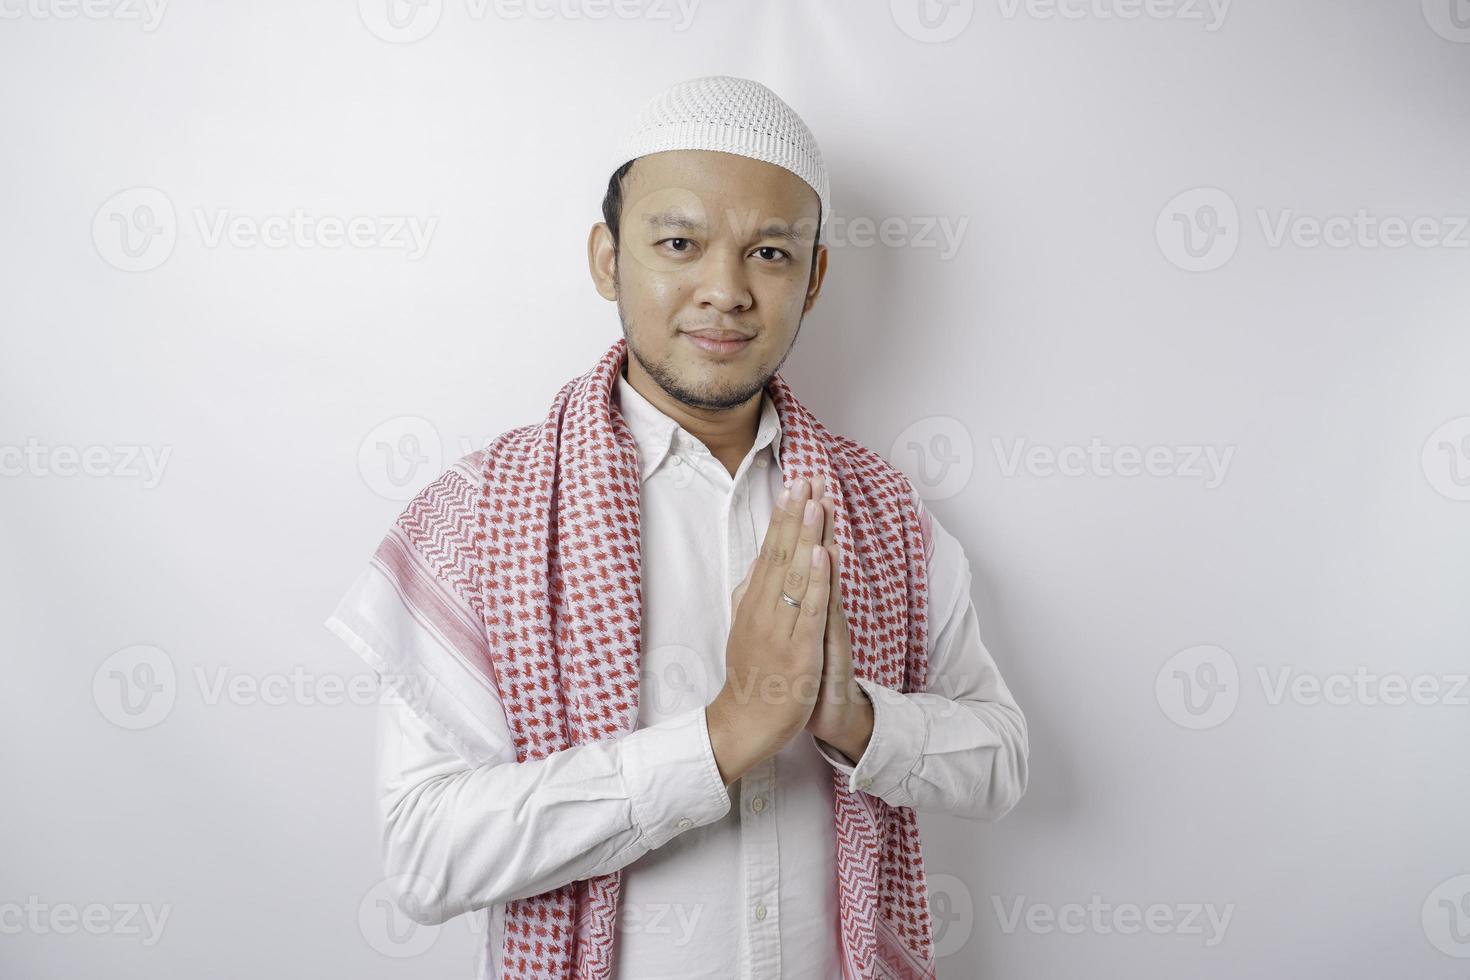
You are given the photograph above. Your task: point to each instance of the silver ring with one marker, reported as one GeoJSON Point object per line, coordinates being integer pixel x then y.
{"type": "Point", "coordinates": [790, 601]}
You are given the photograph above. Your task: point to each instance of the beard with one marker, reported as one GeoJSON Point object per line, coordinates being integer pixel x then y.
{"type": "Point", "coordinates": [707, 397]}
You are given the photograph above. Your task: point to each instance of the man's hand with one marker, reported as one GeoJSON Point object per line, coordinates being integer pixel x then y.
{"type": "Point", "coordinates": [773, 658]}
{"type": "Point", "coordinates": [843, 716]}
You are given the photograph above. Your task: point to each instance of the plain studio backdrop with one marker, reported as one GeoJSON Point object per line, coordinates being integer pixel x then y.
{"type": "Point", "coordinates": [1162, 305]}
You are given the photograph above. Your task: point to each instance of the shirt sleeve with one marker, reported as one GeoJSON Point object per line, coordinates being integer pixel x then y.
{"type": "Point", "coordinates": [473, 837]}
{"type": "Point", "coordinates": [960, 747]}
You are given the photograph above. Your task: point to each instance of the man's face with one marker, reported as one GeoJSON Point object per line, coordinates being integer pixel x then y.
{"type": "Point", "coordinates": [712, 242]}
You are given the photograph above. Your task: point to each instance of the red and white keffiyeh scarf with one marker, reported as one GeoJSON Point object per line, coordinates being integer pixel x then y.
{"type": "Point", "coordinates": [524, 557]}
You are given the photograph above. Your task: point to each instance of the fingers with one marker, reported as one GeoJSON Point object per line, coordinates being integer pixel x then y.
{"type": "Point", "coordinates": [739, 591]}
{"type": "Point", "coordinates": [812, 618]}
{"type": "Point", "coordinates": [799, 572]}
{"type": "Point", "coordinates": [835, 615]}
{"type": "Point", "coordinates": [779, 546]}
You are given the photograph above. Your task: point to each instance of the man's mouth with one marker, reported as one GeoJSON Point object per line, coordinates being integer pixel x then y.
{"type": "Point", "coordinates": [718, 341]}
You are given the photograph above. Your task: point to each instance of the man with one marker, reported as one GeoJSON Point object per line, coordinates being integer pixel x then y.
{"type": "Point", "coordinates": [678, 664]}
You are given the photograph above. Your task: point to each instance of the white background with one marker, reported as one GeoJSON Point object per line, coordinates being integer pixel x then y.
{"type": "Point", "coordinates": [1073, 308]}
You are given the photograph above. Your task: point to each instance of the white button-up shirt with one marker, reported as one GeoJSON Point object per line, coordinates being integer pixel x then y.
{"type": "Point", "coordinates": [716, 880]}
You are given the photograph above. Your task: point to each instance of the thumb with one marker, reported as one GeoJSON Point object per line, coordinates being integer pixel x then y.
{"type": "Point", "coordinates": [739, 592]}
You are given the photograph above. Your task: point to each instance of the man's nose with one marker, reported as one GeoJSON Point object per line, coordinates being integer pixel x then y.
{"type": "Point", "coordinates": [722, 281]}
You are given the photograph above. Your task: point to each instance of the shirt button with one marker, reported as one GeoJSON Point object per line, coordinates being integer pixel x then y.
{"type": "Point", "coordinates": [760, 911]}
{"type": "Point", "coordinates": [758, 804]}
{"type": "Point", "coordinates": [678, 460]}
{"type": "Point", "coordinates": [684, 823]}
{"type": "Point", "coordinates": [762, 462]}
{"type": "Point", "coordinates": [865, 782]}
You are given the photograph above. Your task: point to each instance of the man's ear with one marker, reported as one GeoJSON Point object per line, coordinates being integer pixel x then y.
{"type": "Point", "coordinates": [602, 261]}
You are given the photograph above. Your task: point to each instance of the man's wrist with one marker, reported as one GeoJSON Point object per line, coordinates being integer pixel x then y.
{"type": "Point", "coordinates": [853, 740]}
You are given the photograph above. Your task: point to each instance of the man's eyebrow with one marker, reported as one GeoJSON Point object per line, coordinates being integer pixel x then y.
{"type": "Point", "coordinates": [683, 222]}
{"type": "Point", "coordinates": [674, 219]}
{"type": "Point", "coordinates": [782, 232]}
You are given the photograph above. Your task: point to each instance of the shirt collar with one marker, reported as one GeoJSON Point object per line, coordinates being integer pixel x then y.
{"type": "Point", "coordinates": [655, 433]}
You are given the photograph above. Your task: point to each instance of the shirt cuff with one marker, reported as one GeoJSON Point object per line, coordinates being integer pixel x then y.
{"type": "Point", "coordinates": [894, 749]}
{"type": "Point", "coordinates": [672, 777]}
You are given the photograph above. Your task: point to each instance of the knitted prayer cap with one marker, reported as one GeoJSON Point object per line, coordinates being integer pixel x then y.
{"type": "Point", "coordinates": [733, 115]}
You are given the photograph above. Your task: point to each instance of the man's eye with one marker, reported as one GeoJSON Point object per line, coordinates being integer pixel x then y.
{"type": "Point", "coordinates": [670, 242]}
{"type": "Point", "coordinates": [771, 248]}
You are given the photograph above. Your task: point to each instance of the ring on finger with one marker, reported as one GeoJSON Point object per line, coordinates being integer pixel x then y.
{"type": "Point", "coordinates": [790, 601]}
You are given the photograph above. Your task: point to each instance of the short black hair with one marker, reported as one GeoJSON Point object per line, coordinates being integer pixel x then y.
{"type": "Point", "coordinates": [612, 208]}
